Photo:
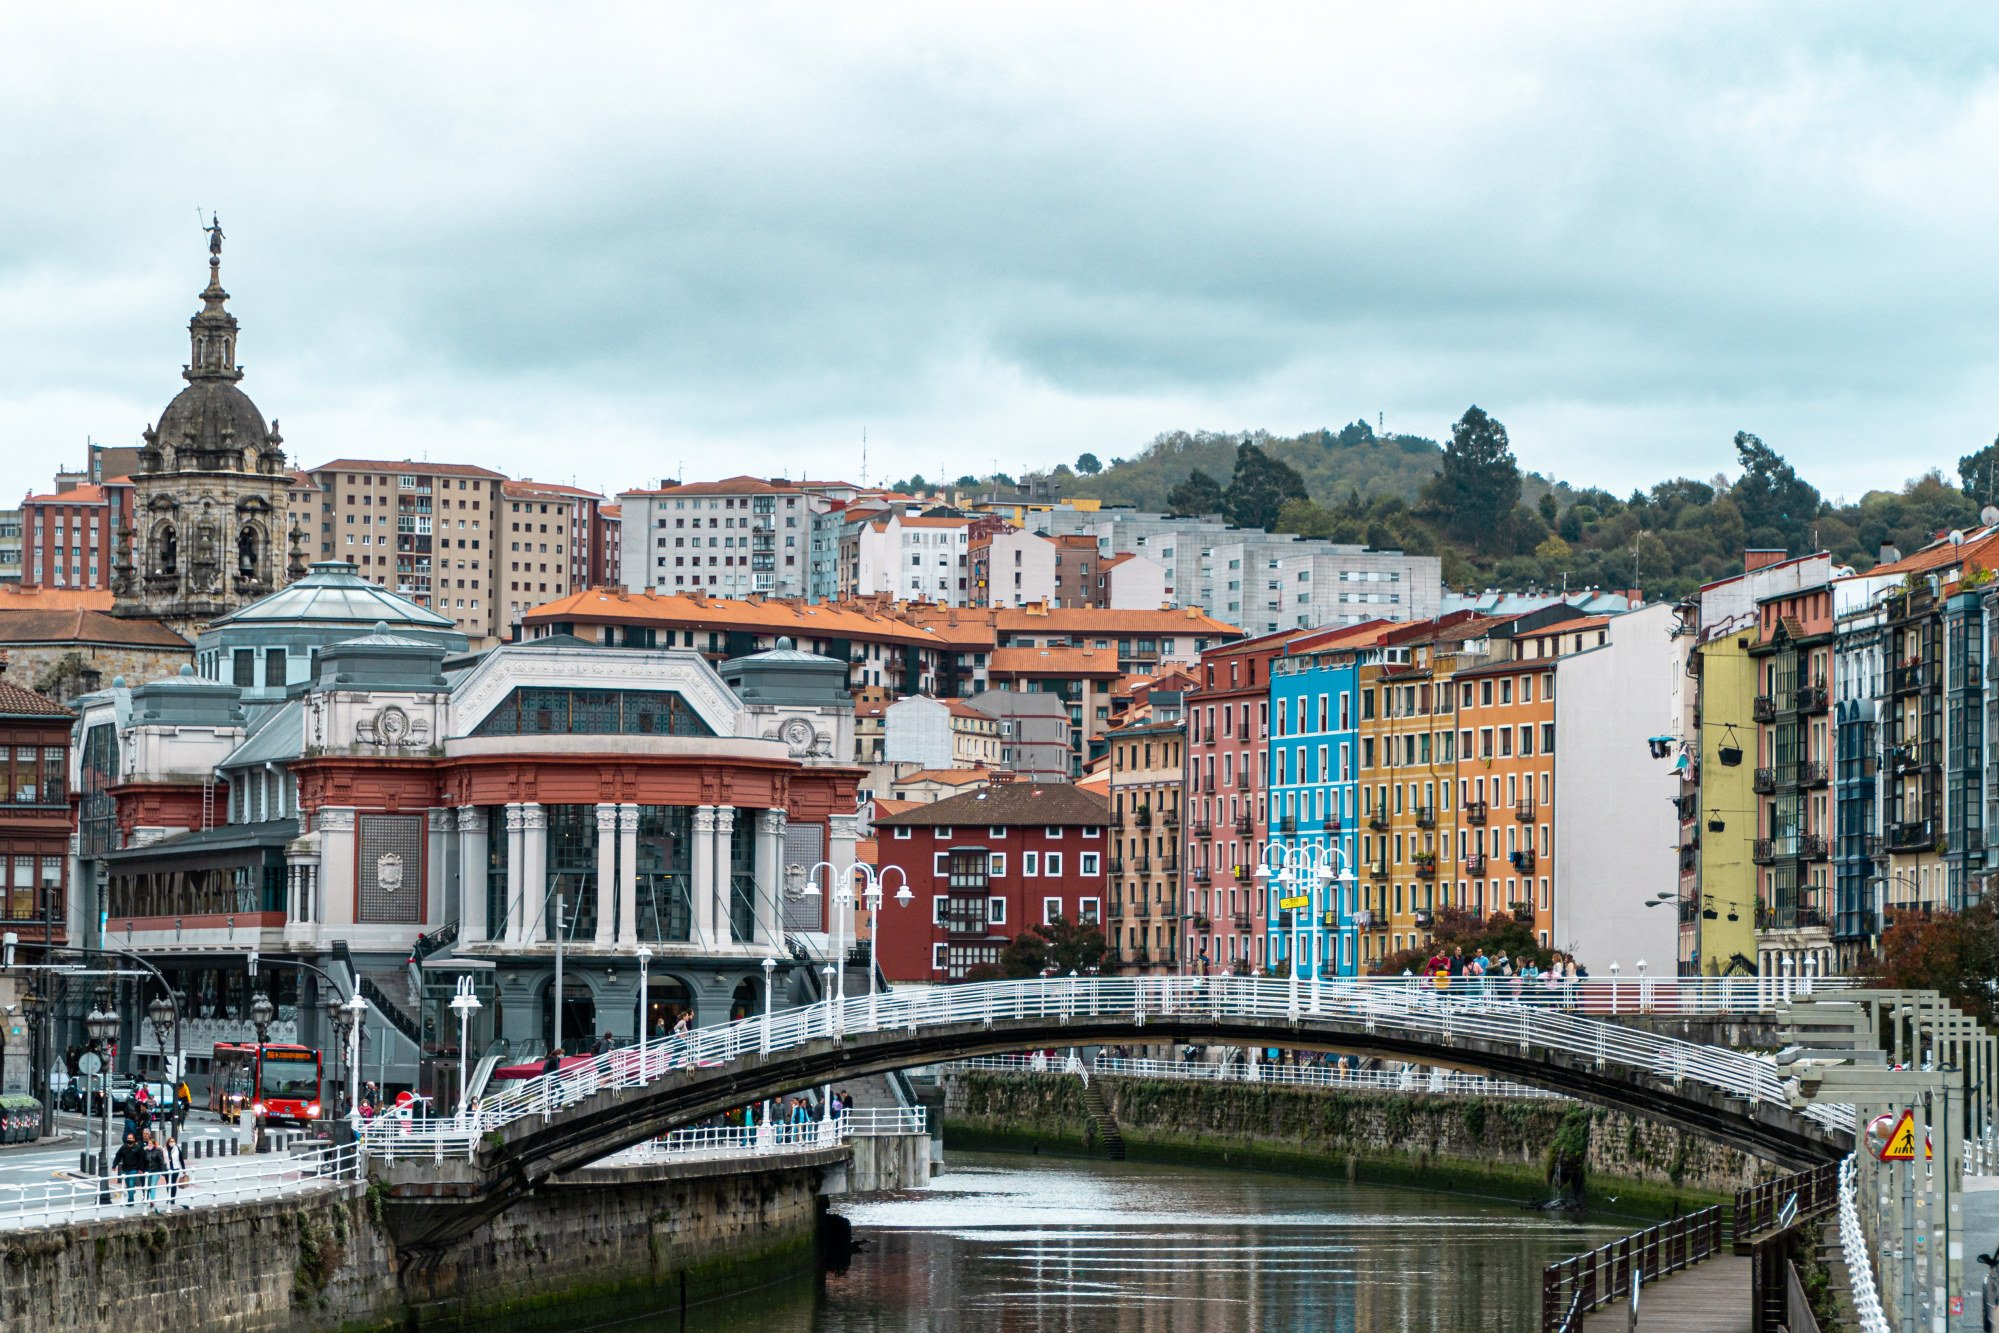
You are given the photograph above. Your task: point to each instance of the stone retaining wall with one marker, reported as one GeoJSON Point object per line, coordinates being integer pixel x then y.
{"type": "Point", "coordinates": [1488, 1145]}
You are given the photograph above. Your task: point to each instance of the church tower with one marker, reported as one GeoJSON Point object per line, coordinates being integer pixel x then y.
{"type": "Point", "coordinates": [208, 497]}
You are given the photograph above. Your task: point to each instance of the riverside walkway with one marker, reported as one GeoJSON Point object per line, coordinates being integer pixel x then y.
{"type": "Point", "coordinates": [1710, 1297]}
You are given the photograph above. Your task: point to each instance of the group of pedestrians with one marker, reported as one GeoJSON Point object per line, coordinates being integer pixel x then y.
{"type": "Point", "coordinates": [1500, 975]}
{"type": "Point", "coordinates": [145, 1163]}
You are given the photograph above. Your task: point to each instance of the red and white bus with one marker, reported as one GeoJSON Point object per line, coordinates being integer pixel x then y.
{"type": "Point", "coordinates": [278, 1082]}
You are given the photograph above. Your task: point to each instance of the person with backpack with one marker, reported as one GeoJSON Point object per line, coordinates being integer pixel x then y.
{"type": "Point", "coordinates": [130, 1164]}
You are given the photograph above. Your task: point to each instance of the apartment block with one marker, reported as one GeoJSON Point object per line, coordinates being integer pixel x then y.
{"type": "Point", "coordinates": [1147, 777]}
{"type": "Point", "coordinates": [739, 537]}
{"type": "Point", "coordinates": [68, 538]}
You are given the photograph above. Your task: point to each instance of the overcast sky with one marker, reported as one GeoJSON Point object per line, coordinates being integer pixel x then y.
{"type": "Point", "coordinates": [609, 243]}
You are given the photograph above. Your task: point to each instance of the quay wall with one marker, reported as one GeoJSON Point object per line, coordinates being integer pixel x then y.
{"type": "Point", "coordinates": [1504, 1147]}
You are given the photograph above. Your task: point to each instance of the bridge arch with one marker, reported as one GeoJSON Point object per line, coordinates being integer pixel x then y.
{"type": "Point", "coordinates": [630, 1096]}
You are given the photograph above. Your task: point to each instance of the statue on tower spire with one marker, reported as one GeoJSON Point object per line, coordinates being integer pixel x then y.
{"type": "Point", "coordinates": [214, 230]}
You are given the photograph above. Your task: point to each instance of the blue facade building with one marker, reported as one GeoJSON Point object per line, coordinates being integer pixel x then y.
{"type": "Point", "coordinates": [1314, 757]}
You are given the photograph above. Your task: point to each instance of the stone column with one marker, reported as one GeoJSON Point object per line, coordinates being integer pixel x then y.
{"type": "Point", "coordinates": [607, 873]}
{"type": "Point", "coordinates": [534, 872]}
{"type": "Point", "coordinates": [842, 832]}
{"type": "Point", "coordinates": [628, 873]}
{"type": "Point", "coordinates": [291, 891]}
{"type": "Point", "coordinates": [472, 923]}
{"type": "Point", "coordinates": [770, 877]}
{"type": "Point", "coordinates": [437, 904]}
{"type": "Point", "coordinates": [509, 928]}
{"type": "Point", "coordinates": [701, 892]}
{"type": "Point", "coordinates": [725, 895]}
{"type": "Point", "coordinates": [336, 860]}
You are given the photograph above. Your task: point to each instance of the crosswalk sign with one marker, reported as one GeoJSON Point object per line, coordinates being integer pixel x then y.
{"type": "Point", "coordinates": [1901, 1144]}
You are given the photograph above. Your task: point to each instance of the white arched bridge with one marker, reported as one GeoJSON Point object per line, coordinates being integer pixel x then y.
{"type": "Point", "coordinates": [444, 1177]}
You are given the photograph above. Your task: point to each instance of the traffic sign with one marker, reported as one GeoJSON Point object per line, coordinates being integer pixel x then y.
{"type": "Point", "coordinates": [89, 1062]}
{"type": "Point", "coordinates": [1292, 904]}
{"type": "Point", "coordinates": [1901, 1144]}
{"type": "Point", "coordinates": [405, 1097]}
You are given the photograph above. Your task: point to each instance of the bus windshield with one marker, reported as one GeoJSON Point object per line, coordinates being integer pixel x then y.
{"type": "Point", "coordinates": [291, 1078]}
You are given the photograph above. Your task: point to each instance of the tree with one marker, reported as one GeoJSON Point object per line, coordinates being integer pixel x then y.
{"type": "Point", "coordinates": [1088, 465]}
{"type": "Point", "coordinates": [1478, 484]}
{"type": "Point", "coordinates": [1778, 506]}
{"type": "Point", "coordinates": [1060, 945]}
{"type": "Point", "coordinates": [1258, 489]}
{"type": "Point", "coordinates": [1955, 954]}
{"type": "Point", "coordinates": [968, 482]}
{"type": "Point", "coordinates": [1979, 474]}
{"type": "Point", "coordinates": [1199, 494]}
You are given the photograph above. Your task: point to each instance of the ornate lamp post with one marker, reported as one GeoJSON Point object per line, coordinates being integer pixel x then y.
{"type": "Point", "coordinates": [1309, 869]}
{"type": "Point", "coordinates": [770, 968]}
{"type": "Point", "coordinates": [341, 1020]}
{"type": "Point", "coordinates": [262, 1011]}
{"type": "Point", "coordinates": [356, 1008]}
{"type": "Point", "coordinates": [644, 1010]}
{"type": "Point", "coordinates": [102, 1025]}
{"type": "Point", "coordinates": [35, 1007]}
{"type": "Point", "coordinates": [465, 1004]}
{"type": "Point", "coordinates": [872, 895]}
{"type": "Point", "coordinates": [839, 922]}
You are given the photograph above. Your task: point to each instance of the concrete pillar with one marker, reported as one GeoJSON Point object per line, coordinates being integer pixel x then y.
{"type": "Point", "coordinates": [438, 904]}
{"type": "Point", "coordinates": [336, 861]}
{"type": "Point", "coordinates": [534, 872]}
{"type": "Point", "coordinates": [291, 891]}
{"type": "Point", "coordinates": [842, 832]}
{"type": "Point", "coordinates": [510, 927]}
{"type": "Point", "coordinates": [628, 873]}
{"type": "Point", "coordinates": [770, 877]}
{"type": "Point", "coordinates": [725, 874]}
{"type": "Point", "coordinates": [702, 872]}
{"type": "Point", "coordinates": [472, 923]}
{"type": "Point", "coordinates": [607, 872]}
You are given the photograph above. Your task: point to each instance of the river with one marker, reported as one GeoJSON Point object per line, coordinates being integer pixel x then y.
{"type": "Point", "coordinates": [1010, 1242]}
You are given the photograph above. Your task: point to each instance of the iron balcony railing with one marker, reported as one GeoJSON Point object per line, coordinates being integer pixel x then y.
{"type": "Point", "coordinates": [1200, 874]}
{"type": "Point", "coordinates": [1763, 708]}
{"type": "Point", "coordinates": [1763, 781]}
{"type": "Point", "coordinates": [1475, 863]}
{"type": "Point", "coordinates": [1378, 821]}
{"type": "Point", "coordinates": [1426, 869]}
{"type": "Point", "coordinates": [1244, 921]}
{"type": "Point", "coordinates": [1243, 823]}
{"type": "Point", "coordinates": [1813, 698]}
{"type": "Point", "coordinates": [1426, 816]}
{"type": "Point", "coordinates": [1525, 811]}
{"type": "Point", "coordinates": [1475, 812]}
{"type": "Point", "coordinates": [1201, 830]}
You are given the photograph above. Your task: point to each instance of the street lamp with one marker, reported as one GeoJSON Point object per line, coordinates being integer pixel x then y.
{"type": "Point", "coordinates": [645, 1026]}
{"type": "Point", "coordinates": [1310, 868]}
{"type": "Point", "coordinates": [770, 969]}
{"type": "Point", "coordinates": [102, 1025]}
{"type": "Point", "coordinates": [356, 1008]}
{"type": "Point", "coordinates": [841, 882]}
{"type": "Point", "coordinates": [35, 1006]}
{"type": "Point", "coordinates": [262, 1011]}
{"type": "Point", "coordinates": [464, 1004]}
{"type": "Point", "coordinates": [341, 1020]}
{"type": "Point", "coordinates": [872, 895]}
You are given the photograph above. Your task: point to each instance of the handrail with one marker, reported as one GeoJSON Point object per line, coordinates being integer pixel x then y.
{"type": "Point", "coordinates": [1803, 1194]}
{"type": "Point", "coordinates": [1425, 1080]}
{"type": "Point", "coordinates": [210, 1182]}
{"type": "Point", "coordinates": [1572, 1287]}
{"type": "Point", "coordinates": [1565, 1022]}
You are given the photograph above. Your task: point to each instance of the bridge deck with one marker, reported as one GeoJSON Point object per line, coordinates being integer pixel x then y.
{"type": "Point", "coordinates": [1710, 1297]}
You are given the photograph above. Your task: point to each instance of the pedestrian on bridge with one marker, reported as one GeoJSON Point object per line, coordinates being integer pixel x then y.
{"type": "Point", "coordinates": [156, 1170]}
{"type": "Point", "coordinates": [130, 1164]}
{"type": "Point", "coordinates": [175, 1158]}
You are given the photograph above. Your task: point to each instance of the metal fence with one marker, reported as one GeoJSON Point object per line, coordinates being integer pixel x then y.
{"type": "Point", "coordinates": [1572, 1025]}
{"type": "Point", "coordinates": [208, 1183]}
{"type": "Point", "coordinates": [1575, 1286]}
{"type": "Point", "coordinates": [1424, 1080]}
{"type": "Point", "coordinates": [775, 1139]}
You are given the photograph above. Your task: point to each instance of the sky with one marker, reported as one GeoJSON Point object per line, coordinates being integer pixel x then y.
{"type": "Point", "coordinates": [609, 243]}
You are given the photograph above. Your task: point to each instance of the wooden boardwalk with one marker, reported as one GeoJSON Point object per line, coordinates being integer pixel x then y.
{"type": "Point", "coordinates": [1710, 1297]}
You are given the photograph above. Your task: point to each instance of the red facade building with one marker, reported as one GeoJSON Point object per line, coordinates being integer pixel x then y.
{"type": "Point", "coordinates": [68, 538]}
{"type": "Point", "coordinates": [983, 868]}
{"type": "Point", "coordinates": [34, 813]}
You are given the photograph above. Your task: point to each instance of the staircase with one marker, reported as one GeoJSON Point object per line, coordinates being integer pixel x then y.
{"type": "Point", "coordinates": [1101, 1132]}
{"type": "Point", "coordinates": [372, 991]}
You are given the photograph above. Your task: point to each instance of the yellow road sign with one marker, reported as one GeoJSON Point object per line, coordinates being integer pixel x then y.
{"type": "Point", "coordinates": [1901, 1144]}
{"type": "Point", "coordinates": [1291, 904]}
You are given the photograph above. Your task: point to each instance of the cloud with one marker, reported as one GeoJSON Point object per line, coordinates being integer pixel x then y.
{"type": "Point", "coordinates": [634, 239]}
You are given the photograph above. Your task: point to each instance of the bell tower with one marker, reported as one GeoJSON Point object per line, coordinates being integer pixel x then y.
{"type": "Point", "coordinates": [208, 528]}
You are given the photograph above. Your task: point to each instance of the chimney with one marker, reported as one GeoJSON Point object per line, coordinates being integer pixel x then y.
{"type": "Point", "coordinates": [1755, 558]}
{"type": "Point", "coordinates": [1888, 554]}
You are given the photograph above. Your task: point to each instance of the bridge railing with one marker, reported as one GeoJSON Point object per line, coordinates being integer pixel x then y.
{"type": "Point", "coordinates": [1571, 1023]}
{"type": "Point", "coordinates": [1859, 1263]}
{"type": "Point", "coordinates": [1573, 1287]}
{"type": "Point", "coordinates": [210, 1182]}
{"type": "Point", "coordinates": [1438, 1081]}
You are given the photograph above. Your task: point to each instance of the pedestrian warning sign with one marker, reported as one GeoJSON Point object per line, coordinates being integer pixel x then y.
{"type": "Point", "coordinates": [1901, 1144]}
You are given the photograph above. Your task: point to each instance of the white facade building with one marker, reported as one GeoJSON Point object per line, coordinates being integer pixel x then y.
{"type": "Point", "coordinates": [727, 538]}
{"type": "Point", "coordinates": [909, 557]}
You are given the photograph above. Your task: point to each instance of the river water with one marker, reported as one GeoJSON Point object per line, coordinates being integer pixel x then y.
{"type": "Point", "coordinates": [1009, 1242]}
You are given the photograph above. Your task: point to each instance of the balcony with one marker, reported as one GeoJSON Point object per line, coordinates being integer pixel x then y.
{"type": "Point", "coordinates": [1426, 816]}
{"type": "Point", "coordinates": [1200, 875]}
{"type": "Point", "coordinates": [1812, 773]}
{"type": "Point", "coordinates": [1245, 874]}
{"type": "Point", "coordinates": [1525, 811]}
{"type": "Point", "coordinates": [1332, 823]}
{"type": "Point", "coordinates": [1243, 921]}
{"type": "Point", "coordinates": [1763, 708]}
{"type": "Point", "coordinates": [1140, 955]}
{"type": "Point", "coordinates": [1475, 813]}
{"type": "Point", "coordinates": [1424, 918]}
{"type": "Point", "coordinates": [1117, 865]}
{"type": "Point", "coordinates": [1141, 909]}
{"type": "Point", "coordinates": [1913, 835]}
{"type": "Point", "coordinates": [1170, 818]}
{"type": "Point", "coordinates": [1378, 821]}
{"type": "Point", "coordinates": [1915, 677]}
{"type": "Point", "coordinates": [1288, 824]}
{"type": "Point", "coordinates": [1764, 781]}
{"type": "Point", "coordinates": [1141, 817]}
{"type": "Point", "coordinates": [1689, 858]}
{"type": "Point", "coordinates": [1475, 864]}
{"type": "Point", "coordinates": [1379, 869]}
{"type": "Point", "coordinates": [1169, 864]}
{"type": "Point", "coordinates": [1141, 865]}
{"type": "Point", "coordinates": [1522, 860]}
{"type": "Point", "coordinates": [1813, 698]}
{"type": "Point", "coordinates": [1201, 829]}
{"type": "Point", "coordinates": [1426, 869]}
{"type": "Point", "coordinates": [1242, 780]}
{"type": "Point", "coordinates": [1783, 915]}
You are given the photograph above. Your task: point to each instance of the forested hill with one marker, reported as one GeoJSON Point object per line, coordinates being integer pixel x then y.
{"type": "Point", "coordinates": [1332, 464]}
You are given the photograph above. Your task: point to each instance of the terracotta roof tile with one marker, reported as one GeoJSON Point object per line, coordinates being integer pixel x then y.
{"type": "Point", "coordinates": [78, 626]}
{"type": "Point", "coordinates": [1047, 804]}
{"type": "Point", "coordinates": [13, 597]}
{"type": "Point", "coordinates": [433, 469]}
{"type": "Point", "coordinates": [20, 701]}
{"type": "Point", "coordinates": [1052, 662]}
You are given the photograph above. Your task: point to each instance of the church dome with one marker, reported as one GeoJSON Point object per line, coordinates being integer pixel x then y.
{"type": "Point", "coordinates": [212, 416]}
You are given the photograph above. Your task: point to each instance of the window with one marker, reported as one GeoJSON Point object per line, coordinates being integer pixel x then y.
{"type": "Point", "coordinates": [1030, 863]}
{"type": "Point", "coordinates": [941, 833]}
{"type": "Point", "coordinates": [1053, 832]}
{"type": "Point", "coordinates": [936, 958]}
{"type": "Point", "coordinates": [902, 833]}
{"type": "Point", "coordinates": [940, 863]}
{"type": "Point", "coordinates": [996, 833]}
{"type": "Point", "coordinates": [1089, 910]}
{"type": "Point", "coordinates": [996, 911]}
{"type": "Point", "coordinates": [937, 909]}
{"type": "Point", "coordinates": [996, 864]}
{"type": "Point", "coordinates": [1090, 863]}
{"type": "Point", "coordinates": [1051, 908]}
{"type": "Point", "coordinates": [1051, 864]}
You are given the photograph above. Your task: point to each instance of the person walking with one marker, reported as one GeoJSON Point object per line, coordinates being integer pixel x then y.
{"type": "Point", "coordinates": [176, 1168]}
{"type": "Point", "coordinates": [130, 1164]}
{"type": "Point", "coordinates": [156, 1170]}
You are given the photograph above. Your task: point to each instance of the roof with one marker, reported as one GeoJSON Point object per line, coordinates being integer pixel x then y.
{"type": "Point", "coordinates": [1047, 804]}
{"type": "Point", "coordinates": [530, 487]}
{"type": "Point", "coordinates": [1098, 620]}
{"type": "Point", "coordinates": [89, 493]}
{"type": "Point", "coordinates": [726, 486]}
{"type": "Point", "coordinates": [1942, 554]}
{"type": "Point", "coordinates": [279, 737]}
{"type": "Point", "coordinates": [884, 807]}
{"type": "Point", "coordinates": [947, 777]}
{"type": "Point", "coordinates": [1052, 662]}
{"type": "Point", "coordinates": [406, 465]}
{"type": "Point", "coordinates": [84, 626]}
{"type": "Point", "coordinates": [20, 701]}
{"type": "Point", "coordinates": [333, 593]}
{"type": "Point", "coordinates": [14, 597]}
{"type": "Point", "coordinates": [827, 620]}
